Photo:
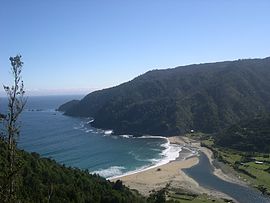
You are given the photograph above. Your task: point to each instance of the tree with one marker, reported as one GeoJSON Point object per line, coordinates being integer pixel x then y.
{"type": "Point", "coordinates": [158, 196]}
{"type": "Point", "coordinates": [16, 103]}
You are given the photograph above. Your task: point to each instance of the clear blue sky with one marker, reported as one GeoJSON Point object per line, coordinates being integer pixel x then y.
{"type": "Point", "coordinates": [73, 46]}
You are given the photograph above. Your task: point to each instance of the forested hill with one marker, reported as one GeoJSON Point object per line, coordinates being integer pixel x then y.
{"type": "Point", "coordinates": [44, 180]}
{"type": "Point", "coordinates": [205, 97]}
{"type": "Point", "coordinates": [251, 135]}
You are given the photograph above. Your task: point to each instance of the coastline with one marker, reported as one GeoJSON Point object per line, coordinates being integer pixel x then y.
{"type": "Point", "coordinates": [170, 153]}
{"type": "Point", "coordinates": [217, 171]}
{"type": "Point", "coordinates": [157, 177]}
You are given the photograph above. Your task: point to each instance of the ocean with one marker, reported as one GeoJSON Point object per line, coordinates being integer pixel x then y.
{"type": "Point", "coordinates": [73, 142]}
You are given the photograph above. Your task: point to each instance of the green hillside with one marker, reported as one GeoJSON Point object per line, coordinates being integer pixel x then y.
{"type": "Point", "coordinates": [40, 178]}
{"type": "Point", "coordinates": [204, 97]}
{"type": "Point", "coordinates": [68, 105]}
{"type": "Point", "coordinates": [252, 135]}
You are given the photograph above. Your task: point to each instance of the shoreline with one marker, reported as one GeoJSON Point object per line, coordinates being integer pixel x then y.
{"type": "Point", "coordinates": [169, 156]}
{"type": "Point", "coordinates": [217, 171]}
{"type": "Point", "coordinates": [157, 177]}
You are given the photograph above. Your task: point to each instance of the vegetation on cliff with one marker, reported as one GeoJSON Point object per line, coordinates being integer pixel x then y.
{"type": "Point", "coordinates": [205, 97]}
{"type": "Point", "coordinates": [252, 135]}
{"type": "Point", "coordinates": [44, 180]}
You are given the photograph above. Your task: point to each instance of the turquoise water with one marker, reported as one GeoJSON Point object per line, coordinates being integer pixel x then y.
{"type": "Point", "coordinates": [73, 142]}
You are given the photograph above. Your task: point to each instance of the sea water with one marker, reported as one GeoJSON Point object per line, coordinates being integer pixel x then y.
{"type": "Point", "coordinates": [73, 142]}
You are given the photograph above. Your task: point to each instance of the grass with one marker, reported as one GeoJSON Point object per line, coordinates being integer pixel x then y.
{"type": "Point", "coordinates": [262, 177]}
{"type": "Point", "coordinates": [252, 173]}
{"type": "Point", "coordinates": [198, 136]}
{"type": "Point", "coordinates": [256, 170]}
{"type": "Point", "coordinates": [181, 196]}
{"type": "Point", "coordinates": [185, 198]}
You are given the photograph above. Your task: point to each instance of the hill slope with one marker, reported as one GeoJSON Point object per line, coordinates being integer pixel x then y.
{"type": "Point", "coordinates": [39, 177]}
{"type": "Point", "coordinates": [251, 135]}
{"type": "Point", "coordinates": [205, 97]}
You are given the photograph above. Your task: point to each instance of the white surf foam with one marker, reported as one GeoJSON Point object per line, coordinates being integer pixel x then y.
{"type": "Point", "coordinates": [126, 136]}
{"type": "Point", "coordinates": [108, 132]}
{"type": "Point", "coordinates": [110, 172]}
{"type": "Point", "coordinates": [170, 153]}
{"type": "Point", "coordinates": [91, 121]}
{"type": "Point", "coordinates": [152, 137]}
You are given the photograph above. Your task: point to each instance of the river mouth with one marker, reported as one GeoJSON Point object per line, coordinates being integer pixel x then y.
{"type": "Point", "coordinates": [203, 174]}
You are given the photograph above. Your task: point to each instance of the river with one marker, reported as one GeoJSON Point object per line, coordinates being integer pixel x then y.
{"type": "Point", "coordinates": [203, 174]}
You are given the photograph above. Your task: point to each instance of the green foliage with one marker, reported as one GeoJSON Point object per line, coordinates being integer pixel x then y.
{"type": "Point", "coordinates": [252, 135]}
{"type": "Point", "coordinates": [262, 189]}
{"type": "Point", "coordinates": [44, 180]}
{"type": "Point", "coordinates": [245, 166]}
{"type": "Point", "coordinates": [186, 197]}
{"type": "Point", "coordinates": [157, 196]}
{"type": "Point", "coordinates": [204, 97]}
{"type": "Point", "coordinates": [16, 103]}
{"type": "Point", "coordinates": [68, 105]}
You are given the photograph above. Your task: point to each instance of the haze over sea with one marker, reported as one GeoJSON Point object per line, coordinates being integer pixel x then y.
{"type": "Point", "coordinates": [73, 142]}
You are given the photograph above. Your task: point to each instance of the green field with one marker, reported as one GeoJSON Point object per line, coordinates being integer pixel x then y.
{"type": "Point", "coordinates": [243, 163]}
{"type": "Point", "coordinates": [189, 198]}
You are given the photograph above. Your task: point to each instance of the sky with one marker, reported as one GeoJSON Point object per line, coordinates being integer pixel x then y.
{"type": "Point", "coordinates": [77, 46]}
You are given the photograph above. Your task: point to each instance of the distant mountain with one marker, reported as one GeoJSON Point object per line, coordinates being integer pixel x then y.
{"type": "Point", "coordinates": [68, 105]}
{"type": "Point", "coordinates": [205, 97]}
{"type": "Point", "coordinates": [251, 135]}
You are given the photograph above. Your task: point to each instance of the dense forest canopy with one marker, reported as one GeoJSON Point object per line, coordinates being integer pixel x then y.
{"type": "Point", "coordinates": [44, 180]}
{"type": "Point", "coordinates": [252, 135]}
{"type": "Point", "coordinates": [204, 97]}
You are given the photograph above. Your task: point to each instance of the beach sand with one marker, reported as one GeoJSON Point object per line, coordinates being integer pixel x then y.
{"type": "Point", "coordinates": [217, 171]}
{"type": "Point", "coordinates": [171, 173]}
{"type": "Point", "coordinates": [157, 178]}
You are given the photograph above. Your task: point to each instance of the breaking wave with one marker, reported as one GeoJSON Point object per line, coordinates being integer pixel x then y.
{"type": "Point", "coordinates": [110, 172]}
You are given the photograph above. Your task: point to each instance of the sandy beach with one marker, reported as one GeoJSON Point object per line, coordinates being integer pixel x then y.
{"type": "Point", "coordinates": [157, 178]}
{"type": "Point", "coordinates": [171, 173]}
{"type": "Point", "coordinates": [217, 171]}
